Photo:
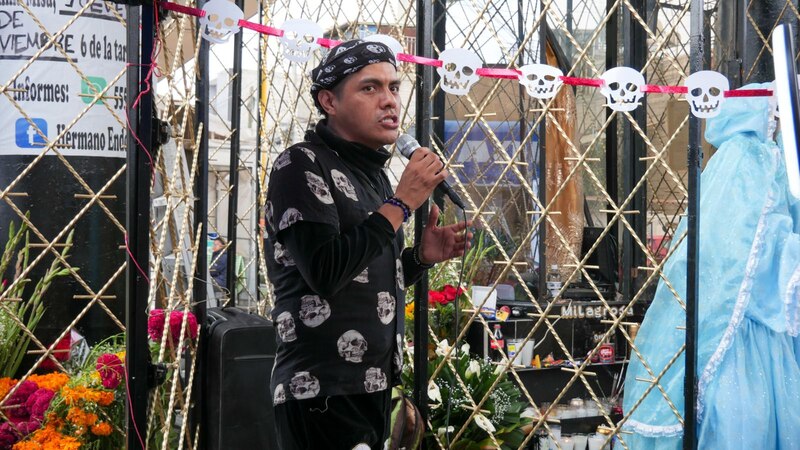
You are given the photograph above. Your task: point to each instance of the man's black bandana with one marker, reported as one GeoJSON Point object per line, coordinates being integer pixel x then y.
{"type": "Point", "coordinates": [346, 59]}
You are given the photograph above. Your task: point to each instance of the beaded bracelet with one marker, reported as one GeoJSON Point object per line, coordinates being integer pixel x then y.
{"type": "Point", "coordinates": [415, 256]}
{"type": "Point", "coordinates": [400, 204]}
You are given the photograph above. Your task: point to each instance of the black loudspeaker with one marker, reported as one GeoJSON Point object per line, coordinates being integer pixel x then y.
{"type": "Point", "coordinates": [240, 354]}
{"type": "Point", "coordinates": [604, 256]}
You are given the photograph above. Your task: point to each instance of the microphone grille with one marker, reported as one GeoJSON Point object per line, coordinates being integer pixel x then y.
{"type": "Point", "coordinates": [406, 145]}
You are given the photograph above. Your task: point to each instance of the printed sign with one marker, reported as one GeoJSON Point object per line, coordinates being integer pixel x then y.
{"type": "Point", "coordinates": [49, 93]}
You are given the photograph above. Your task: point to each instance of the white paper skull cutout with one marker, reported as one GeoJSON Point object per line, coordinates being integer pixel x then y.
{"type": "Point", "coordinates": [343, 184]}
{"type": "Point", "coordinates": [622, 88]}
{"type": "Point", "coordinates": [220, 21]}
{"type": "Point", "coordinates": [388, 41]}
{"type": "Point", "coordinates": [363, 277]}
{"type": "Point", "coordinates": [290, 216]}
{"type": "Point", "coordinates": [319, 187]}
{"type": "Point", "coordinates": [285, 327]}
{"type": "Point", "coordinates": [279, 396]}
{"type": "Point", "coordinates": [399, 274]}
{"type": "Point", "coordinates": [282, 256]}
{"type": "Point", "coordinates": [706, 92]}
{"type": "Point", "coordinates": [386, 304]}
{"type": "Point", "coordinates": [374, 380]}
{"type": "Point", "coordinates": [314, 310]}
{"type": "Point", "coordinates": [300, 39]}
{"type": "Point", "coordinates": [352, 346]}
{"type": "Point", "coordinates": [303, 385]}
{"type": "Point", "coordinates": [540, 80]}
{"type": "Point", "coordinates": [458, 70]}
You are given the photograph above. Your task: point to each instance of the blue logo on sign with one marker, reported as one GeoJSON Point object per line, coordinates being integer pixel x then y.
{"type": "Point", "coordinates": [27, 134]}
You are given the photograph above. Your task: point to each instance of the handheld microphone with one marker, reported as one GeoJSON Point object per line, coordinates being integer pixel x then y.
{"type": "Point", "coordinates": [406, 145]}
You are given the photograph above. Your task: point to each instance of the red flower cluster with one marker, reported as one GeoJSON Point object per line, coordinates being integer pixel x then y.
{"type": "Point", "coordinates": [25, 410]}
{"type": "Point", "coordinates": [445, 296]}
{"type": "Point", "coordinates": [156, 322]}
{"type": "Point", "coordinates": [111, 369]}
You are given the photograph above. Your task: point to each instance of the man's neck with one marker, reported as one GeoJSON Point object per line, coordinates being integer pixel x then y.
{"type": "Point", "coordinates": [334, 128]}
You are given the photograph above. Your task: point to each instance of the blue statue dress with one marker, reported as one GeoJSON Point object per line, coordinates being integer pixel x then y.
{"type": "Point", "coordinates": [749, 290]}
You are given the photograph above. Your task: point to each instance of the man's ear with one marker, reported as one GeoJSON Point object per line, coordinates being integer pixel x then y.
{"type": "Point", "coordinates": [327, 100]}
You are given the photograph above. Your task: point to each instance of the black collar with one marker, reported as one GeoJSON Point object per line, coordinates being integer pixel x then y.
{"type": "Point", "coordinates": [367, 160]}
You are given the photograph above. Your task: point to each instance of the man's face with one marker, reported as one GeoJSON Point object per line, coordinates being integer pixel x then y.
{"type": "Point", "coordinates": [366, 106]}
{"type": "Point", "coordinates": [217, 246]}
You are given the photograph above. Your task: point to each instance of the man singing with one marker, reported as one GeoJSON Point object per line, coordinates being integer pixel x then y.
{"type": "Point", "coordinates": [336, 258]}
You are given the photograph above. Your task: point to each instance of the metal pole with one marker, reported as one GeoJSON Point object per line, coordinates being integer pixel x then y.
{"type": "Point", "coordinates": [695, 158]}
{"type": "Point", "coordinates": [633, 148]}
{"type": "Point", "coordinates": [197, 415]}
{"type": "Point", "coordinates": [138, 225]}
{"type": "Point", "coordinates": [233, 196]}
{"type": "Point", "coordinates": [424, 87]}
{"type": "Point", "coordinates": [542, 139]}
{"type": "Point", "coordinates": [612, 180]}
{"type": "Point", "coordinates": [259, 212]}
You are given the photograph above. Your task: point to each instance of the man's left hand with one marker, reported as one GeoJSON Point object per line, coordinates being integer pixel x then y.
{"type": "Point", "coordinates": [442, 243]}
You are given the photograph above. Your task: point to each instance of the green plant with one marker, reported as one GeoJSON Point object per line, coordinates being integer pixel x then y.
{"type": "Point", "coordinates": [18, 314]}
{"type": "Point", "coordinates": [451, 403]}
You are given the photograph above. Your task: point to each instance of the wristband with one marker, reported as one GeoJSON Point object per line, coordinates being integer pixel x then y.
{"type": "Point", "coordinates": [415, 256]}
{"type": "Point", "coordinates": [400, 204]}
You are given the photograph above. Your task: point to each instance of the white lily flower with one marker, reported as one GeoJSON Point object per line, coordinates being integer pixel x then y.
{"type": "Point", "coordinates": [433, 392]}
{"type": "Point", "coordinates": [465, 349]}
{"type": "Point", "coordinates": [442, 430]}
{"type": "Point", "coordinates": [474, 368]}
{"type": "Point", "coordinates": [483, 422]}
{"type": "Point", "coordinates": [529, 413]}
{"type": "Point", "coordinates": [443, 347]}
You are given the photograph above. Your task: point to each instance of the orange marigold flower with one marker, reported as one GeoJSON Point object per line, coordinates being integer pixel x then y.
{"type": "Point", "coordinates": [101, 429]}
{"type": "Point", "coordinates": [80, 417]}
{"type": "Point", "coordinates": [105, 398]}
{"type": "Point", "coordinates": [27, 445]}
{"type": "Point", "coordinates": [52, 381]}
{"type": "Point", "coordinates": [5, 385]}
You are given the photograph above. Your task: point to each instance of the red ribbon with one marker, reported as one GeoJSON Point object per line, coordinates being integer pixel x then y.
{"type": "Point", "coordinates": [507, 74]}
{"type": "Point", "coordinates": [664, 89]}
{"type": "Point", "coordinates": [405, 57]}
{"type": "Point", "coordinates": [749, 93]}
{"type": "Point", "coordinates": [197, 12]}
{"type": "Point", "coordinates": [328, 43]}
{"type": "Point", "coordinates": [263, 29]}
{"type": "Point", "coordinates": [575, 81]}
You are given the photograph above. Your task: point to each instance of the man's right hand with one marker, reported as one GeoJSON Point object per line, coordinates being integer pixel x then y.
{"type": "Point", "coordinates": [422, 174]}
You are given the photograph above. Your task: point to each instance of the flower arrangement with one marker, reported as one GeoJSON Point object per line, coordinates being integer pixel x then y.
{"type": "Point", "coordinates": [59, 411]}
{"type": "Point", "coordinates": [451, 403]}
{"type": "Point", "coordinates": [23, 311]}
{"type": "Point", "coordinates": [157, 320]}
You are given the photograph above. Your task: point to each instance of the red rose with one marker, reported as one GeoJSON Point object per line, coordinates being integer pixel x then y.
{"type": "Point", "coordinates": [435, 297]}
{"type": "Point", "coordinates": [451, 293]}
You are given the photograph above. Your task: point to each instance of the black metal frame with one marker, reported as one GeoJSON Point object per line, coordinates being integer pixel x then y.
{"type": "Point", "coordinates": [424, 129]}
{"type": "Point", "coordinates": [233, 177]}
{"type": "Point", "coordinates": [695, 159]}
{"type": "Point", "coordinates": [137, 224]}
